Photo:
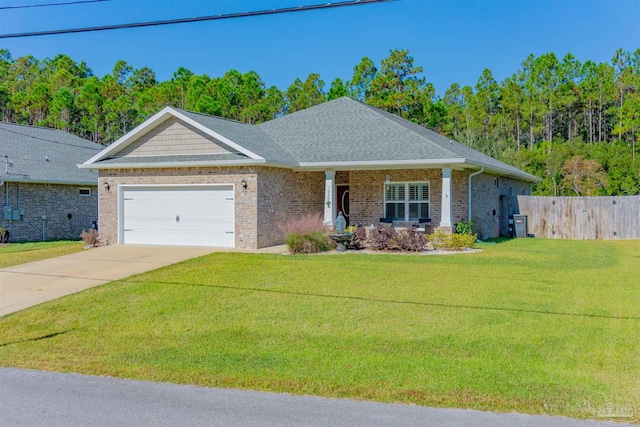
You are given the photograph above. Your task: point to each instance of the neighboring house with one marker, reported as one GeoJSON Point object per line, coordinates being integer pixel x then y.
{"type": "Point", "coordinates": [184, 178]}
{"type": "Point", "coordinates": [44, 195]}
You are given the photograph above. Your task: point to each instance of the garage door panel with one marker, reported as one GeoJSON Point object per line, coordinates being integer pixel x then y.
{"type": "Point", "coordinates": [193, 216]}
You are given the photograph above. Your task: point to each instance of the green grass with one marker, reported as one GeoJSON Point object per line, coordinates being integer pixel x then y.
{"type": "Point", "coordinates": [21, 253]}
{"type": "Point", "coordinates": [522, 324]}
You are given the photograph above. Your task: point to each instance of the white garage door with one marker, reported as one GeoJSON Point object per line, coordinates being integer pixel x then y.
{"type": "Point", "coordinates": [180, 215]}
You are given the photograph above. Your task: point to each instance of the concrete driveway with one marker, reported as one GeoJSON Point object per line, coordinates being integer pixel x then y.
{"type": "Point", "coordinates": [25, 285]}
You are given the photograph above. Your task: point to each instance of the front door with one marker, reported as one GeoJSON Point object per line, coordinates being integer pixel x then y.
{"type": "Point", "coordinates": [342, 195]}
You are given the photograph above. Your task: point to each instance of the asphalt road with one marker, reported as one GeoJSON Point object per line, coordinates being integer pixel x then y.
{"type": "Point", "coordinates": [35, 398]}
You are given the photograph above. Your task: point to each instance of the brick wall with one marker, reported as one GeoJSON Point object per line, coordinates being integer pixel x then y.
{"type": "Point", "coordinates": [367, 197]}
{"type": "Point", "coordinates": [275, 195]}
{"type": "Point", "coordinates": [245, 200]}
{"type": "Point", "coordinates": [67, 213]}
{"type": "Point", "coordinates": [492, 204]}
{"type": "Point", "coordinates": [284, 195]}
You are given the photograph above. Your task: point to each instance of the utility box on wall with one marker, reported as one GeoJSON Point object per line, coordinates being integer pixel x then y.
{"type": "Point", "coordinates": [6, 213]}
{"type": "Point", "coordinates": [10, 214]}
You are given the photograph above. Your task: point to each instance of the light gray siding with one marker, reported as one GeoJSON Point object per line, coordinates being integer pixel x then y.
{"type": "Point", "coordinates": [174, 137]}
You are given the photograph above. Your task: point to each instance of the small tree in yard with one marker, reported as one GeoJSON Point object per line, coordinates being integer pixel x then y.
{"type": "Point", "coordinates": [584, 177]}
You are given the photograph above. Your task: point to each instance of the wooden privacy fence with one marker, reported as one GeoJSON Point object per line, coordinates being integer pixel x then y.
{"type": "Point", "coordinates": [589, 218]}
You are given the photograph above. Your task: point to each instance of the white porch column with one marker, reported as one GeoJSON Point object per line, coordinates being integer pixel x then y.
{"type": "Point", "coordinates": [445, 212]}
{"type": "Point", "coordinates": [329, 197]}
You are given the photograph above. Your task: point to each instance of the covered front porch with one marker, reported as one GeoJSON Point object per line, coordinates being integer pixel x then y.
{"type": "Point", "coordinates": [430, 198]}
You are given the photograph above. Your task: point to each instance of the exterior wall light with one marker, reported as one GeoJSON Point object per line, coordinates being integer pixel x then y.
{"type": "Point", "coordinates": [106, 186]}
{"type": "Point", "coordinates": [244, 184]}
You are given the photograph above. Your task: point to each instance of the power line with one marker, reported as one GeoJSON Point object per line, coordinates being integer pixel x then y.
{"type": "Point", "coordinates": [25, 6]}
{"type": "Point", "coordinates": [48, 140]}
{"type": "Point", "coordinates": [196, 19]}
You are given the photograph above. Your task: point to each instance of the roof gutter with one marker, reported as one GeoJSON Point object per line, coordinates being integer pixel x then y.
{"type": "Point", "coordinates": [179, 164]}
{"type": "Point", "coordinates": [469, 192]}
{"type": "Point", "coordinates": [45, 181]}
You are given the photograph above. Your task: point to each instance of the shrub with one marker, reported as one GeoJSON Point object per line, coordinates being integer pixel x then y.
{"type": "Point", "coordinates": [411, 241]}
{"type": "Point", "coordinates": [4, 235]}
{"type": "Point", "coordinates": [383, 238]}
{"type": "Point", "coordinates": [306, 234]}
{"type": "Point", "coordinates": [90, 237]}
{"type": "Point", "coordinates": [452, 242]}
{"type": "Point", "coordinates": [461, 242]}
{"type": "Point", "coordinates": [464, 227]}
{"type": "Point", "coordinates": [308, 243]}
{"type": "Point", "coordinates": [306, 224]}
{"type": "Point", "coordinates": [359, 238]}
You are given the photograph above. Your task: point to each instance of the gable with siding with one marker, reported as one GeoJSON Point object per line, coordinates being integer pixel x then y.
{"type": "Point", "coordinates": [174, 137]}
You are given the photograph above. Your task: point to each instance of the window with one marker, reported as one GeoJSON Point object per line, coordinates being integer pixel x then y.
{"type": "Point", "coordinates": [407, 201]}
{"type": "Point", "coordinates": [84, 192]}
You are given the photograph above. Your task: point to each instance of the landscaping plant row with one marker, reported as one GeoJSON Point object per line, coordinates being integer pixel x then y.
{"type": "Point", "coordinates": [308, 235]}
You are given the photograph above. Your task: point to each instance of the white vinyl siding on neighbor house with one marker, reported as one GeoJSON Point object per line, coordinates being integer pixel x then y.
{"type": "Point", "coordinates": [406, 201]}
{"type": "Point", "coordinates": [182, 215]}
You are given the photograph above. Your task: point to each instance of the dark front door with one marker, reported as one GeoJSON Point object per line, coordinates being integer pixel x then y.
{"type": "Point", "coordinates": [342, 194]}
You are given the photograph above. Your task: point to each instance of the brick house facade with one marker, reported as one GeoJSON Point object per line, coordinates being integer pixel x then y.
{"type": "Point", "coordinates": [43, 193]}
{"type": "Point", "coordinates": [294, 166]}
{"type": "Point", "coordinates": [49, 211]}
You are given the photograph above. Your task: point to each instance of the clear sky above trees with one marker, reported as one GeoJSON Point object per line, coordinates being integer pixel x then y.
{"type": "Point", "coordinates": [552, 87]}
{"type": "Point", "coordinates": [454, 41]}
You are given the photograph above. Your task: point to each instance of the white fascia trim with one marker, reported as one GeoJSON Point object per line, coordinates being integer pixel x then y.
{"type": "Point", "coordinates": [380, 164]}
{"type": "Point", "coordinates": [155, 121]}
{"type": "Point", "coordinates": [174, 164]}
{"type": "Point", "coordinates": [182, 164]}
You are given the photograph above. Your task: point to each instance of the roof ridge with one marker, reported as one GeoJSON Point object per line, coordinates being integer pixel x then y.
{"type": "Point", "coordinates": [212, 117]}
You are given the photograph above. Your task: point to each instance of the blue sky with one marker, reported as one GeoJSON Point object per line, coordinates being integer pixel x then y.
{"type": "Point", "coordinates": [452, 40]}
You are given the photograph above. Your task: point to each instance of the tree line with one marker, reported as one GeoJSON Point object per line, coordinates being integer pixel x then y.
{"type": "Point", "coordinates": [575, 125]}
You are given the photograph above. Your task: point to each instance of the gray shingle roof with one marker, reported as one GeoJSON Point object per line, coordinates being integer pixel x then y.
{"type": "Point", "coordinates": [345, 130]}
{"type": "Point", "coordinates": [342, 131]}
{"type": "Point", "coordinates": [248, 136]}
{"type": "Point", "coordinates": [28, 147]}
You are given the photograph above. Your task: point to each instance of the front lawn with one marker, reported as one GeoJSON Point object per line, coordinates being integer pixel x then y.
{"type": "Point", "coordinates": [535, 326]}
{"type": "Point", "coordinates": [21, 253]}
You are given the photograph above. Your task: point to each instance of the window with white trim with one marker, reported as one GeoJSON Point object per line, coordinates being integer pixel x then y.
{"type": "Point", "coordinates": [406, 201]}
{"type": "Point", "coordinates": [84, 192]}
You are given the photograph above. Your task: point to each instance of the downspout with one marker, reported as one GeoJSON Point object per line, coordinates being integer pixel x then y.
{"type": "Point", "coordinates": [469, 192]}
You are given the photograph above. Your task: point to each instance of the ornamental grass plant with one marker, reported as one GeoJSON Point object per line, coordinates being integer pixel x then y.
{"type": "Point", "coordinates": [305, 235]}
